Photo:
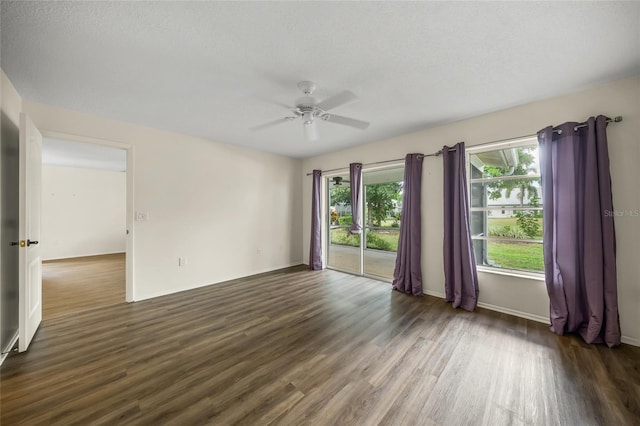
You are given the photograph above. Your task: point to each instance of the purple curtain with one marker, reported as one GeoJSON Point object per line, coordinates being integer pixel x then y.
{"type": "Point", "coordinates": [579, 235]}
{"type": "Point", "coordinates": [355, 177]}
{"type": "Point", "coordinates": [315, 249]}
{"type": "Point", "coordinates": [407, 275]}
{"type": "Point", "coordinates": [460, 276]}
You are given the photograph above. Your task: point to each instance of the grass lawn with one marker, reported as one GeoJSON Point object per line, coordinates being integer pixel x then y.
{"type": "Point", "coordinates": [380, 239]}
{"type": "Point", "coordinates": [524, 256]}
{"type": "Point", "coordinates": [507, 255]}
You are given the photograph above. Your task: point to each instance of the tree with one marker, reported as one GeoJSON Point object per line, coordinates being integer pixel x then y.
{"type": "Point", "coordinates": [380, 200]}
{"type": "Point", "coordinates": [379, 197]}
{"type": "Point", "coordinates": [528, 220]}
{"type": "Point", "coordinates": [526, 187]}
{"type": "Point", "coordinates": [340, 195]}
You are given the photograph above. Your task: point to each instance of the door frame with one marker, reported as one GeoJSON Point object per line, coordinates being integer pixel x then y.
{"type": "Point", "coordinates": [129, 263]}
{"type": "Point", "coordinates": [325, 219]}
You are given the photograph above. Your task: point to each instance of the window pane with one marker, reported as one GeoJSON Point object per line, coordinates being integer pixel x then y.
{"type": "Point", "coordinates": [478, 224]}
{"type": "Point", "coordinates": [509, 255]}
{"type": "Point", "coordinates": [342, 237]}
{"type": "Point", "coordinates": [518, 161]}
{"type": "Point", "coordinates": [511, 183]}
{"type": "Point", "coordinates": [521, 256]}
{"type": "Point", "coordinates": [478, 197]}
{"type": "Point", "coordinates": [521, 224]}
{"type": "Point", "coordinates": [383, 205]}
{"type": "Point", "coordinates": [339, 202]}
{"type": "Point", "coordinates": [523, 192]}
{"type": "Point", "coordinates": [344, 250]}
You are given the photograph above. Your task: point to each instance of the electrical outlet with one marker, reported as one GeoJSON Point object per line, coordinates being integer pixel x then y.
{"type": "Point", "coordinates": [142, 216]}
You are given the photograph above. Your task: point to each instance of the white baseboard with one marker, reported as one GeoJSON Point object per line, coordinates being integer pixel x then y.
{"type": "Point", "coordinates": [630, 341]}
{"type": "Point", "coordinates": [222, 280]}
{"type": "Point", "coordinates": [12, 342]}
{"type": "Point", "coordinates": [502, 309]}
{"type": "Point", "coordinates": [83, 255]}
{"type": "Point", "coordinates": [289, 265]}
{"type": "Point", "coordinates": [515, 313]}
{"type": "Point", "coordinates": [544, 320]}
{"type": "Point", "coordinates": [434, 293]}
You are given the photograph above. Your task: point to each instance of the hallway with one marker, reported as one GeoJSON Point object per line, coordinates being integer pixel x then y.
{"type": "Point", "coordinates": [82, 283]}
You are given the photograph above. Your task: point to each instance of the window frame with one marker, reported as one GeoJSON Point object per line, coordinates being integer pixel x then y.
{"type": "Point", "coordinates": [511, 143]}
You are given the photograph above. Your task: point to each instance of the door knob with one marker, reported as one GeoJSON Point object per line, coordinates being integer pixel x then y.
{"type": "Point", "coordinates": [32, 243]}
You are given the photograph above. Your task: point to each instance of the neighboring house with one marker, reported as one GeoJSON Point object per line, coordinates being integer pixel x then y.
{"type": "Point", "coordinates": [507, 204]}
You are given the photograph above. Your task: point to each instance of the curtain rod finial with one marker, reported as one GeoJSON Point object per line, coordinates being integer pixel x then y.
{"type": "Point", "coordinates": [617, 119]}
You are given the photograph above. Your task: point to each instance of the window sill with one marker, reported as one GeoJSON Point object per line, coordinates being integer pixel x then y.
{"type": "Point", "coordinates": [511, 273]}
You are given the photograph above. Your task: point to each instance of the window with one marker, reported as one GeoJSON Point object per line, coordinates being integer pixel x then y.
{"type": "Point", "coordinates": [506, 206]}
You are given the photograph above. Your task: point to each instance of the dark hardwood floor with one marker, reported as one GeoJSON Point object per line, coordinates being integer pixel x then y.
{"type": "Point", "coordinates": [320, 348]}
{"type": "Point", "coordinates": [81, 283]}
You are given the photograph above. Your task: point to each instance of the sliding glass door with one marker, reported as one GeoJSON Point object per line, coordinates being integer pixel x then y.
{"type": "Point", "coordinates": [382, 207]}
{"type": "Point", "coordinates": [344, 251]}
{"type": "Point", "coordinates": [373, 252]}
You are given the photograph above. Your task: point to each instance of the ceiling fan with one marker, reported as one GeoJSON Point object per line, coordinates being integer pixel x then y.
{"type": "Point", "coordinates": [338, 180]}
{"type": "Point", "coordinates": [310, 111]}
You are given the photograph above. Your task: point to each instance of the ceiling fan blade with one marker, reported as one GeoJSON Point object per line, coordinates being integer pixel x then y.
{"type": "Point", "coordinates": [272, 102]}
{"type": "Point", "coordinates": [310, 131]}
{"type": "Point", "coordinates": [346, 121]}
{"type": "Point", "coordinates": [269, 124]}
{"type": "Point", "coordinates": [337, 100]}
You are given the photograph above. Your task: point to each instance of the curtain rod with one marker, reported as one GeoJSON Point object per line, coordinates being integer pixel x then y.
{"type": "Point", "coordinates": [366, 164]}
{"type": "Point", "coordinates": [616, 119]}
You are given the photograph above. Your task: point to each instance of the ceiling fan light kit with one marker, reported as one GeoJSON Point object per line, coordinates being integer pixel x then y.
{"type": "Point", "coordinates": [308, 108]}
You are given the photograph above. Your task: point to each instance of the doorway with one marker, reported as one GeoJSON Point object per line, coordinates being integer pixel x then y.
{"type": "Point", "coordinates": [373, 251]}
{"type": "Point", "coordinates": [84, 226]}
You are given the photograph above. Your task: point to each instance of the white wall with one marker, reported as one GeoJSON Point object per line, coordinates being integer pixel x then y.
{"type": "Point", "coordinates": [83, 212]}
{"type": "Point", "coordinates": [230, 211]}
{"type": "Point", "coordinates": [525, 297]}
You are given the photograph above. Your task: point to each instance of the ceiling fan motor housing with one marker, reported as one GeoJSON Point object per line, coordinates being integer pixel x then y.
{"type": "Point", "coordinates": [306, 106]}
{"type": "Point", "coordinates": [307, 109]}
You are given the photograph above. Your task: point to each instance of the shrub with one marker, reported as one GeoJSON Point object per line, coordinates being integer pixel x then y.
{"type": "Point", "coordinates": [395, 225]}
{"type": "Point", "coordinates": [345, 220]}
{"type": "Point", "coordinates": [340, 236]}
{"type": "Point", "coordinates": [375, 241]}
{"type": "Point", "coordinates": [506, 231]}
{"type": "Point", "coordinates": [528, 222]}
{"type": "Point", "coordinates": [334, 216]}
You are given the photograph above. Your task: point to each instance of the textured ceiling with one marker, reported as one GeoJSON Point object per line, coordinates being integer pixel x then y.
{"type": "Point", "coordinates": [214, 69]}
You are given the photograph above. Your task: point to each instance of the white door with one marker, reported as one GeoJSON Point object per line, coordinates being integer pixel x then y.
{"type": "Point", "coordinates": [30, 264]}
